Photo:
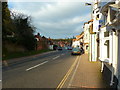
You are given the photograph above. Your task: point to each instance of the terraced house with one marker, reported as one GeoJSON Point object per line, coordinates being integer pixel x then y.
{"type": "Point", "coordinates": [107, 21]}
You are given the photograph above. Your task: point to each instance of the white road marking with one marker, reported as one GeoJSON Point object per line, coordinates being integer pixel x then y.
{"type": "Point", "coordinates": [0, 80]}
{"type": "Point", "coordinates": [56, 57]}
{"type": "Point", "coordinates": [36, 66]}
{"type": "Point", "coordinates": [71, 80]}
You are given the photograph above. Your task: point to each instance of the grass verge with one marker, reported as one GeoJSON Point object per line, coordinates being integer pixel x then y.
{"type": "Point", "coordinates": [13, 55]}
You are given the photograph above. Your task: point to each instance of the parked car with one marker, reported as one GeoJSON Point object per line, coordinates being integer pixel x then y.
{"type": "Point", "coordinates": [59, 48]}
{"type": "Point", "coordinates": [65, 48]}
{"type": "Point", "coordinates": [69, 48]}
{"type": "Point", "coordinates": [76, 51]}
{"type": "Point", "coordinates": [82, 50]}
{"type": "Point", "coordinates": [55, 47]}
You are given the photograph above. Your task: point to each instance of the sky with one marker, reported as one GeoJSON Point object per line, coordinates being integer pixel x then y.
{"type": "Point", "coordinates": [55, 19]}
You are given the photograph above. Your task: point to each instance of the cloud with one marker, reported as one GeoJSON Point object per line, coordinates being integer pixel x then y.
{"type": "Point", "coordinates": [55, 19]}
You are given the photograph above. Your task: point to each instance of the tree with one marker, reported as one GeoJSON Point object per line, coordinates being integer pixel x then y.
{"type": "Point", "coordinates": [19, 25]}
{"type": "Point", "coordinates": [7, 25]}
{"type": "Point", "coordinates": [24, 31]}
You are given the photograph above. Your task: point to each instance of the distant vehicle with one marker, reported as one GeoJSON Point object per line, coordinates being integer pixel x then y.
{"type": "Point", "coordinates": [69, 48]}
{"type": "Point", "coordinates": [55, 47]}
{"type": "Point", "coordinates": [76, 51]}
{"type": "Point", "coordinates": [59, 48]}
{"type": "Point", "coordinates": [66, 48]}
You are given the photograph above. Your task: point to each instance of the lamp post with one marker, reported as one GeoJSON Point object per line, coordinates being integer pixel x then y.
{"type": "Point", "coordinates": [89, 4]}
{"type": "Point", "coordinates": [90, 45]}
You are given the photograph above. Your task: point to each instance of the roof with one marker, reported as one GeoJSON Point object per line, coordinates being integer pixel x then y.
{"type": "Point", "coordinates": [115, 6]}
{"type": "Point", "coordinates": [74, 39]}
{"type": "Point", "coordinates": [104, 9]}
{"type": "Point", "coordinates": [90, 21]}
{"type": "Point", "coordinates": [79, 36]}
{"type": "Point", "coordinates": [85, 23]}
{"type": "Point", "coordinates": [82, 33]}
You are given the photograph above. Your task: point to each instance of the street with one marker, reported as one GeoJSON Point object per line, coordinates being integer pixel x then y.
{"type": "Point", "coordinates": [60, 44]}
{"type": "Point", "coordinates": [43, 72]}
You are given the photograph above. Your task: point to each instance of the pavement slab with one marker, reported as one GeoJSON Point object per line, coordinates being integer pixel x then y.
{"type": "Point", "coordinates": [88, 74]}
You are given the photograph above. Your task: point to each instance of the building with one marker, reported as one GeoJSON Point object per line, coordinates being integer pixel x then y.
{"type": "Point", "coordinates": [86, 37]}
{"type": "Point", "coordinates": [109, 40]}
{"type": "Point", "coordinates": [42, 42]}
{"type": "Point", "coordinates": [75, 43]}
{"type": "Point", "coordinates": [78, 41]}
{"type": "Point", "coordinates": [92, 42]}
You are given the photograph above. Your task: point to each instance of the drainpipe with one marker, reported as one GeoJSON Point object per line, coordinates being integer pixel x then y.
{"type": "Point", "coordinates": [102, 66]}
{"type": "Point", "coordinates": [101, 47]}
{"type": "Point", "coordinates": [94, 48]}
{"type": "Point", "coordinates": [89, 51]}
{"type": "Point", "coordinates": [112, 76]}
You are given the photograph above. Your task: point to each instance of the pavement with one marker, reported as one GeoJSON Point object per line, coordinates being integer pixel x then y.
{"type": "Point", "coordinates": [87, 75]}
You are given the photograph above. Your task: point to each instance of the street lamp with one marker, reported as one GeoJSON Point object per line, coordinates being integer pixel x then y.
{"type": "Point", "coordinates": [89, 56]}
{"type": "Point", "coordinates": [88, 4]}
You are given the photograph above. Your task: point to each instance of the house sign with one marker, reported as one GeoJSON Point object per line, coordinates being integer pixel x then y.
{"type": "Point", "coordinates": [96, 25]}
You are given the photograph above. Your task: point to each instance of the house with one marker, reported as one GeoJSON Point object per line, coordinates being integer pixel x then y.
{"type": "Point", "coordinates": [75, 43]}
{"type": "Point", "coordinates": [50, 43]}
{"type": "Point", "coordinates": [109, 40]}
{"type": "Point", "coordinates": [80, 37]}
{"type": "Point", "coordinates": [86, 37]}
{"type": "Point", "coordinates": [92, 42]}
{"type": "Point", "coordinates": [90, 39]}
{"type": "Point", "coordinates": [78, 42]}
{"type": "Point", "coordinates": [42, 42]}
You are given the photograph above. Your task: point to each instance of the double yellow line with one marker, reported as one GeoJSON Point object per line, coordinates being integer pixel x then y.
{"type": "Point", "coordinates": [67, 74]}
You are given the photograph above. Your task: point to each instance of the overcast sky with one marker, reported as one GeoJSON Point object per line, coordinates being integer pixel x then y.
{"type": "Point", "coordinates": [55, 19]}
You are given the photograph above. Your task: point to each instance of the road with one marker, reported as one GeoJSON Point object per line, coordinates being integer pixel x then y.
{"type": "Point", "coordinates": [53, 70]}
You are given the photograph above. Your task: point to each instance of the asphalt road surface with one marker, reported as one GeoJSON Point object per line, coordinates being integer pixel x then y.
{"type": "Point", "coordinates": [53, 70]}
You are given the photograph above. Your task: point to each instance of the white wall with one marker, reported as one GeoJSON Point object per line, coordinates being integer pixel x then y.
{"type": "Point", "coordinates": [118, 60]}
{"type": "Point", "coordinates": [90, 48]}
{"type": "Point", "coordinates": [115, 53]}
{"type": "Point", "coordinates": [94, 47]}
{"type": "Point", "coordinates": [76, 43]}
{"type": "Point", "coordinates": [102, 50]}
{"type": "Point", "coordinates": [86, 33]}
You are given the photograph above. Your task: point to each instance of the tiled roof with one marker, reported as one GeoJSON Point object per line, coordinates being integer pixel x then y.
{"type": "Point", "coordinates": [79, 36]}
{"type": "Point", "coordinates": [74, 39]}
{"type": "Point", "coordinates": [90, 21]}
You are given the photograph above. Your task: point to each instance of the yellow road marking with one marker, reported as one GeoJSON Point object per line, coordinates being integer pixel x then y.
{"type": "Point", "coordinates": [67, 74]}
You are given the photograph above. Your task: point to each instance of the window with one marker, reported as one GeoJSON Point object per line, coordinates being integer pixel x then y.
{"type": "Point", "coordinates": [106, 34]}
{"type": "Point", "coordinates": [87, 47]}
